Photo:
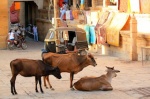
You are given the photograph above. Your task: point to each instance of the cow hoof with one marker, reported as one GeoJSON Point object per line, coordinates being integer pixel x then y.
{"type": "Point", "coordinates": [72, 89]}
{"type": "Point", "coordinates": [52, 88]}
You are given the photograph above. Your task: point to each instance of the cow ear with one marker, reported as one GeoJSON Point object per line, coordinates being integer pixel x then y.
{"type": "Point", "coordinates": [117, 71]}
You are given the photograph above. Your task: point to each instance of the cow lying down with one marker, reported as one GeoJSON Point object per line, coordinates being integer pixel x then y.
{"type": "Point", "coordinates": [28, 68]}
{"type": "Point", "coordinates": [97, 83]}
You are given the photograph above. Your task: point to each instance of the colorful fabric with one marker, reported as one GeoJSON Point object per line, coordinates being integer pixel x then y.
{"type": "Point", "coordinates": [112, 31]}
{"type": "Point", "coordinates": [12, 8]}
{"type": "Point", "coordinates": [66, 1]}
{"type": "Point", "coordinates": [145, 6]}
{"type": "Point", "coordinates": [14, 17]}
{"type": "Point", "coordinates": [92, 35]}
{"type": "Point", "coordinates": [133, 6]}
{"type": "Point", "coordinates": [75, 14]}
{"type": "Point", "coordinates": [94, 18]}
{"type": "Point", "coordinates": [71, 16]}
{"type": "Point", "coordinates": [68, 15]}
{"type": "Point", "coordinates": [88, 17]}
{"type": "Point", "coordinates": [81, 6]}
{"type": "Point", "coordinates": [87, 30]}
{"type": "Point", "coordinates": [60, 3]}
{"type": "Point", "coordinates": [100, 29]}
{"type": "Point", "coordinates": [17, 5]}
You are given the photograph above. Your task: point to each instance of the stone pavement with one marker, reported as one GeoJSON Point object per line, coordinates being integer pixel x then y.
{"type": "Point", "coordinates": [133, 82]}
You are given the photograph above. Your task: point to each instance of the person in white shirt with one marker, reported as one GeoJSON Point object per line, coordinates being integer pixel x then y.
{"type": "Point", "coordinates": [11, 35]}
{"type": "Point", "coordinates": [35, 33]}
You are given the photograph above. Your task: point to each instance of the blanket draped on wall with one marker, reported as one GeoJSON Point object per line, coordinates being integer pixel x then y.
{"type": "Point", "coordinates": [114, 28]}
{"type": "Point", "coordinates": [145, 6]}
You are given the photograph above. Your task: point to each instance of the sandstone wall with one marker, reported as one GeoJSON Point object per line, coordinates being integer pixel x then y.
{"type": "Point", "coordinates": [3, 23]}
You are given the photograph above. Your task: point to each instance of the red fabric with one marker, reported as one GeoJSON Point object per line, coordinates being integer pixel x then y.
{"type": "Point", "coordinates": [12, 8]}
{"type": "Point", "coordinates": [64, 17]}
{"type": "Point", "coordinates": [60, 3]}
{"type": "Point", "coordinates": [14, 17]}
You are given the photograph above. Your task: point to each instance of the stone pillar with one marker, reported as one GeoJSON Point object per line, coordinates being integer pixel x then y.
{"type": "Point", "coordinates": [93, 3]}
{"type": "Point", "coordinates": [22, 13]}
{"type": "Point", "coordinates": [56, 12]}
{"type": "Point", "coordinates": [4, 10]}
{"type": "Point", "coordinates": [133, 37]}
{"type": "Point", "coordinates": [74, 4]}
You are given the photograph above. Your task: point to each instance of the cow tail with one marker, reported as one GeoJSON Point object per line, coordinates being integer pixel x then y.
{"type": "Point", "coordinates": [42, 56]}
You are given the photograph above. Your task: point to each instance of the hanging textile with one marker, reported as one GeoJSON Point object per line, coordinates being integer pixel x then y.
{"type": "Point", "coordinates": [100, 29]}
{"type": "Point", "coordinates": [94, 18]}
{"type": "Point", "coordinates": [82, 5]}
{"type": "Point", "coordinates": [17, 5]}
{"type": "Point", "coordinates": [87, 30]}
{"type": "Point", "coordinates": [75, 14]}
{"type": "Point", "coordinates": [12, 8]}
{"type": "Point", "coordinates": [71, 16]}
{"type": "Point", "coordinates": [60, 3]}
{"type": "Point", "coordinates": [88, 17]}
{"type": "Point", "coordinates": [68, 15]}
{"type": "Point", "coordinates": [92, 35]}
{"type": "Point", "coordinates": [112, 31]}
{"type": "Point", "coordinates": [66, 1]}
{"type": "Point", "coordinates": [145, 6]}
{"type": "Point", "coordinates": [14, 17]}
{"type": "Point", "coordinates": [133, 6]}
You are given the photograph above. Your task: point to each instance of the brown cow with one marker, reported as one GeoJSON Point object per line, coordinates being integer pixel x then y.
{"type": "Point", "coordinates": [102, 82]}
{"type": "Point", "coordinates": [71, 63]}
{"type": "Point", "coordinates": [28, 68]}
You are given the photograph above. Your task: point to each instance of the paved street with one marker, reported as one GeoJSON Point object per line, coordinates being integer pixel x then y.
{"type": "Point", "coordinates": [133, 82]}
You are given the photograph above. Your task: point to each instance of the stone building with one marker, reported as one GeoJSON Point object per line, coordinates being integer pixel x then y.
{"type": "Point", "coordinates": [133, 35]}
{"type": "Point", "coordinates": [25, 16]}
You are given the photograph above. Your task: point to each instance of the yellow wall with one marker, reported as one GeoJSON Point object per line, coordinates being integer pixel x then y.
{"type": "Point", "coordinates": [3, 23]}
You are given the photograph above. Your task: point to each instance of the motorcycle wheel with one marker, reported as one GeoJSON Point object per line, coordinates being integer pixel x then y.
{"type": "Point", "coordinates": [24, 46]}
{"type": "Point", "coordinates": [11, 46]}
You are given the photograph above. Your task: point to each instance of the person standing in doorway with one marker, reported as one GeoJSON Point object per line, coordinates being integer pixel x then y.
{"type": "Point", "coordinates": [35, 33]}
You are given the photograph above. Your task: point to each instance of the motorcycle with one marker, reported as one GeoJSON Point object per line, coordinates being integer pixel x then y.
{"type": "Point", "coordinates": [12, 44]}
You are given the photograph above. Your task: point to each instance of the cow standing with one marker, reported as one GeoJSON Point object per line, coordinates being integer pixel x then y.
{"type": "Point", "coordinates": [28, 68]}
{"type": "Point", "coordinates": [71, 63]}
